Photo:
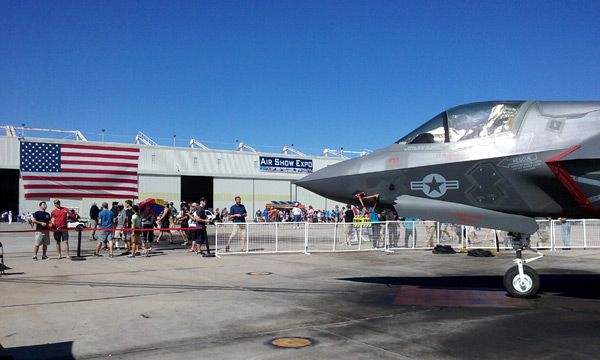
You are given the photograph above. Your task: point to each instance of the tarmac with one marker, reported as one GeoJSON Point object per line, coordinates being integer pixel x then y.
{"type": "Point", "coordinates": [355, 305]}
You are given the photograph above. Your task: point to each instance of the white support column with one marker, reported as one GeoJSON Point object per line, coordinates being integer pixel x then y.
{"type": "Point", "coordinates": [584, 235]}
{"type": "Point", "coordinates": [247, 225]}
{"type": "Point", "coordinates": [306, 238]}
{"type": "Point", "coordinates": [360, 233]}
{"type": "Point", "coordinates": [334, 235]}
{"type": "Point", "coordinates": [276, 237]}
{"type": "Point", "coordinates": [552, 236]}
{"type": "Point", "coordinates": [216, 240]}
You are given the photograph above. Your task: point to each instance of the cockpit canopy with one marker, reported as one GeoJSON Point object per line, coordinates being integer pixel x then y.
{"type": "Point", "coordinates": [465, 122]}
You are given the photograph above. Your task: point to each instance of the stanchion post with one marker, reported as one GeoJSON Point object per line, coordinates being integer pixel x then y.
{"type": "Point", "coordinates": [78, 257]}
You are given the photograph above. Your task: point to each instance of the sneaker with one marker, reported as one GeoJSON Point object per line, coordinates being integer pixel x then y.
{"type": "Point", "coordinates": [35, 258]}
{"type": "Point", "coordinates": [110, 255]}
{"type": "Point", "coordinates": [97, 255]}
{"type": "Point", "coordinates": [130, 256]}
{"type": "Point", "coordinates": [44, 257]}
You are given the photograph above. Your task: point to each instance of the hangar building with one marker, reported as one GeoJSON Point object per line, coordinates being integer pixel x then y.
{"type": "Point", "coordinates": [180, 174]}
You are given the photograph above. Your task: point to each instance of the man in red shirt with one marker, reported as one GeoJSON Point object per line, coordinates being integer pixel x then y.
{"type": "Point", "coordinates": [59, 222]}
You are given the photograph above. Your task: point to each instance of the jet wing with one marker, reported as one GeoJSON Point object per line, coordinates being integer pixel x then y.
{"type": "Point", "coordinates": [453, 213]}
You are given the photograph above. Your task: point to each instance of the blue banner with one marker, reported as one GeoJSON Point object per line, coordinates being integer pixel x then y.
{"type": "Point", "coordinates": [285, 165]}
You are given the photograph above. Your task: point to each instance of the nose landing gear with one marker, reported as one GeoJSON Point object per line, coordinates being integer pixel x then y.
{"type": "Point", "coordinates": [522, 281]}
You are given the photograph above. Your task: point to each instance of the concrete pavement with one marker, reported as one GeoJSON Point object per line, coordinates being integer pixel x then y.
{"type": "Point", "coordinates": [404, 305]}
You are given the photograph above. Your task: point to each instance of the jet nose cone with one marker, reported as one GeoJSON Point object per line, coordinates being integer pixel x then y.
{"type": "Point", "coordinates": [332, 181]}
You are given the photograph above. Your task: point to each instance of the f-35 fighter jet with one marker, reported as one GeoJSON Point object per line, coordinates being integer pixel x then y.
{"type": "Point", "coordinates": [496, 165]}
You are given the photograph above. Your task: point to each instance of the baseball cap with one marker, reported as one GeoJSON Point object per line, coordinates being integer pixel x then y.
{"type": "Point", "coordinates": [57, 201]}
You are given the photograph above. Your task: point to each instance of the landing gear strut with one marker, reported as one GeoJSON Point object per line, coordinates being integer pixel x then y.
{"type": "Point", "coordinates": [522, 281]}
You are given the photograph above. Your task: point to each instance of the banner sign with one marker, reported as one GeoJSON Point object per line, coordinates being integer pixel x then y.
{"type": "Point", "coordinates": [285, 165]}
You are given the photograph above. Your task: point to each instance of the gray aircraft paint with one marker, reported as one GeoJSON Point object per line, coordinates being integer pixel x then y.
{"type": "Point", "coordinates": [502, 179]}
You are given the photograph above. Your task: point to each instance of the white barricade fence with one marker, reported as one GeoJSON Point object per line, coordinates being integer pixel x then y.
{"type": "Point", "coordinates": [304, 237]}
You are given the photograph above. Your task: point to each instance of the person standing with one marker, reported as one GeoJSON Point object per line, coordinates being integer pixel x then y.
{"type": "Point", "coordinates": [183, 221]}
{"type": "Point", "coordinates": [348, 219]}
{"type": "Point", "coordinates": [390, 218]}
{"type": "Point", "coordinates": [430, 228]}
{"type": "Point", "coordinates": [409, 229]}
{"type": "Point", "coordinates": [164, 221]}
{"type": "Point", "coordinates": [105, 233]}
{"type": "Point", "coordinates": [128, 217]}
{"type": "Point", "coordinates": [193, 234]}
{"type": "Point", "coordinates": [59, 221]}
{"type": "Point", "coordinates": [121, 221]}
{"type": "Point", "coordinates": [136, 225]}
{"type": "Point", "coordinates": [237, 214]}
{"type": "Point", "coordinates": [297, 213]}
{"type": "Point", "coordinates": [10, 216]}
{"type": "Point", "coordinates": [202, 222]}
{"type": "Point", "coordinates": [94, 211]}
{"type": "Point", "coordinates": [41, 219]}
{"type": "Point", "coordinates": [565, 227]}
{"type": "Point", "coordinates": [147, 224]}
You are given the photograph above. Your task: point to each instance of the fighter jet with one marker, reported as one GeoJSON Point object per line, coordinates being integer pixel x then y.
{"type": "Point", "coordinates": [494, 164]}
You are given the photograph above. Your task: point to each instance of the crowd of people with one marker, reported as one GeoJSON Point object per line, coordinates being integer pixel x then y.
{"type": "Point", "coordinates": [132, 226]}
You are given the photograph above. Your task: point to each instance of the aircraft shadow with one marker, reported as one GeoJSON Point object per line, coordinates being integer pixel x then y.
{"type": "Point", "coordinates": [585, 286]}
{"type": "Point", "coordinates": [62, 350]}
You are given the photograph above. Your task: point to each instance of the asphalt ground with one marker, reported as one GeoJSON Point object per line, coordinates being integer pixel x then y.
{"type": "Point", "coordinates": [408, 304]}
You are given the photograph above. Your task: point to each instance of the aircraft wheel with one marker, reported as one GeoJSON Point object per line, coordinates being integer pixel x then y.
{"type": "Point", "coordinates": [521, 287]}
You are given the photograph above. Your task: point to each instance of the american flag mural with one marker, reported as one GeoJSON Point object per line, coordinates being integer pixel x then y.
{"type": "Point", "coordinates": [79, 170]}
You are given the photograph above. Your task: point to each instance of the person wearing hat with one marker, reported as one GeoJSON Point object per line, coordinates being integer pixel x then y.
{"type": "Point", "coordinates": [59, 222]}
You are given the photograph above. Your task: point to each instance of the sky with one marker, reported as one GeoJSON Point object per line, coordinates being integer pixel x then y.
{"type": "Point", "coordinates": [318, 74]}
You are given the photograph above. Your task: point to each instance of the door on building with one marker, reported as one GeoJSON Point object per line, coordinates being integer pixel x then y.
{"type": "Point", "coordinates": [195, 187]}
{"type": "Point", "coordinates": [9, 191]}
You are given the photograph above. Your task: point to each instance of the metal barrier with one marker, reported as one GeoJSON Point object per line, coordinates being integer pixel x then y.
{"type": "Point", "coordinates": [302, 237]}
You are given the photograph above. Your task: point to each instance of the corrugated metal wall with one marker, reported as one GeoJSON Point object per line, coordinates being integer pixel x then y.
{"type": "Point", "coordinates": [160, 168]}
{"type": "Point", "coordinates": [9, 152]}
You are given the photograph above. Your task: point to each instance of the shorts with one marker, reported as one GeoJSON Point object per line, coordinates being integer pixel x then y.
{"type": "Point", "coordinates": [202, 236]}
{"type": "Point", "coordinates": [349, 229]}
{"type": "Point", "coordinates": [297, 218]}
{"type": "Point", "coordinates": [105, 235]}
{"type": "Point", "coordinates": [238, 229]}
{"type": "Point", "coordinates": [61, 235]}
{"type": "Point", "coordinates": [192, 235]}
{"type": "Point", "coordinates": [42, 238]}
{"type": "Point", "coordinates": [118, 234]}
{"type": "Point", "coordinates": [135, 237]}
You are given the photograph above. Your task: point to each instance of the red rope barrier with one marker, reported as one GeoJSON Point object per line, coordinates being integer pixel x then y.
{"type": "Point", "coordinates": [99, 229]}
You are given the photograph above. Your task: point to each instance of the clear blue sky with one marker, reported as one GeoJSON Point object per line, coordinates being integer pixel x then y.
{"type": "Point", "coordinates": [352, 74]}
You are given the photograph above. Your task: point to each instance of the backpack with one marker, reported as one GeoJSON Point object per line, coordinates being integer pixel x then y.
{"type": "Point", "coordinates": [443, 249]}
{"type": "Point", "coordinates": [480, 253]}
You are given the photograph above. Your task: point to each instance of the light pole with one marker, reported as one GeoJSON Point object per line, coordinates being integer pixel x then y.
{"type": "Point", "coordinates": [103, 135]}
{"type": "Point", "coordinates": [174, 136]}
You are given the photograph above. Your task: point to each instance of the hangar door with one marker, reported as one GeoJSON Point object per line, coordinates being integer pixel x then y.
{"type": "Point", "coordinates": [195, 187]}
{"type": "Point", "coordinates": [9, 191]}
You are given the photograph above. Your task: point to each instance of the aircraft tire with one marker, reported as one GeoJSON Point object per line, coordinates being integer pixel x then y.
{"type": "Point", "coordinates": [522, 288]}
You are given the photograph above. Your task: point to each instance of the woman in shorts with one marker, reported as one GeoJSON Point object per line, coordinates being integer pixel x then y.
{"type": "Point", "coordinates": [136, 225]}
